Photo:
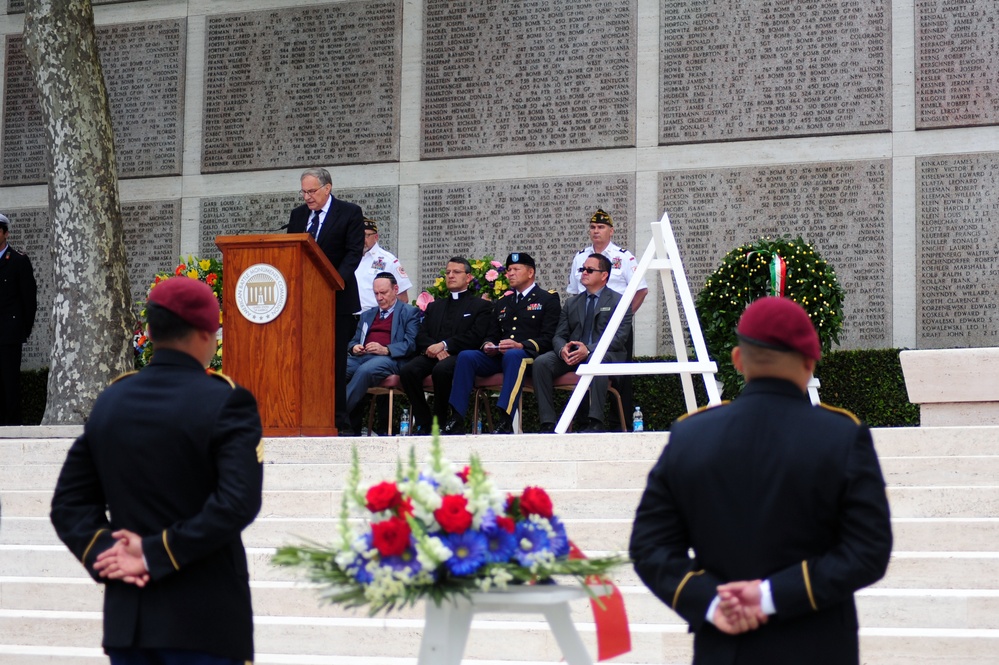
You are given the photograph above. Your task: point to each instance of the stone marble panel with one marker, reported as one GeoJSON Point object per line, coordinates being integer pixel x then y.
{"type": "Point", "coordinates": [267, 213]}
{"type": "Point", "coordinates": [17, 6]}
{"type": "Point", "coordinates": [144, 67]}
{"type": "Point", "coordinates": [736, 70]}
{"type": "Point", "coordinates": [531, 76]}
{"type": "Point", "coordinates": [152, 240]}
{"type": "Point", "coordinates": [546, 217]}
{"type": "Point", "coordinates": [957, 251]}
{"type": "Point", "coordinates": [843, 209]}
{"type": "Point", "coordinates": [957, 63]}
{"type": "Point", "coordinates": [302, 86]}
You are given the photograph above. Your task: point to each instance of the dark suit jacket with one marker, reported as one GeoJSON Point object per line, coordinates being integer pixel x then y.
{"type": "Point", "coordinates": [531, 322]}
{"type": "Point", "coordinates": [462, 323]}
{"type": "Point", "coordinates": [18, 297]}
{"type": "Point", "coordinates": [175, 455]}
{"type": "Point", "coordinates": [570, 323]}
{"type": "Point", "coordinates": [767, 487]}
{"type": "Point", "coordinates": [342, 240]}
{"type": "Point", "coordinates": [405, 323]}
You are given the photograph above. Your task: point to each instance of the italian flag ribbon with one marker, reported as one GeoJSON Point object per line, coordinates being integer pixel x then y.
{"type": "Point", "coordinates": [778, 276]}
{"type": "Point", "coordinates": [613, 634]}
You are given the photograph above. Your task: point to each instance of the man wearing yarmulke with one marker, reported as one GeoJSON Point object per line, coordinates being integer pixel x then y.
{"type": "Point", "coordinates": [781, 503]}
{"type": "Point", "coordinates": [153, 496]}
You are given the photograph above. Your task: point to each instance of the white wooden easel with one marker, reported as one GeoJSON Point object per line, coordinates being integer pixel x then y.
{"type": "Point", "coordinates": [663, 255]}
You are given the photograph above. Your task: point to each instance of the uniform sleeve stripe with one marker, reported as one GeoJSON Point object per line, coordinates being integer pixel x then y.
{"type": "Point", "coordinates": [836, 409]}
{"type": "Point", "coordinates": [808, 585]}
{"type": "Point", "coordinates": [91, 545]}
{"type": "Point", "coordinates": [683, 582]}
{"type": "Point", "coordinates": [166, 546]}
{"type": "Point", "coordinates": [260, 451]}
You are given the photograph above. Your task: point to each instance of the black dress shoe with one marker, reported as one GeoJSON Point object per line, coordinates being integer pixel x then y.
{"type": "Point", "coordinates": [455, 424]}
{"type": "Point", "coordinates": [594, 427]}
{"type": "Point", "coordinates": [504, 424]}
{"type": "Point", "coordinates": [547, 428]}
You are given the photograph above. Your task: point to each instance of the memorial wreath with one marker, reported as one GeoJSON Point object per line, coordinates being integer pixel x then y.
{"type": "Point", "coordinates": [488, 280]}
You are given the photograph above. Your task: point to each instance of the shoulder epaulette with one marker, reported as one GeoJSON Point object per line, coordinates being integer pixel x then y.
{"type": "Point", "coordinates": [220, 375]}
{"type": "Point", "coordinates": [581, 251]}
{"type": "Point", "coordinates": [845, 412]}
{"type": "Point", "coordinates": [701, 410]}
{"type": "Point", "coordinates": [552, 291]}
{"type": "Point", "coordinates": [123, 376]}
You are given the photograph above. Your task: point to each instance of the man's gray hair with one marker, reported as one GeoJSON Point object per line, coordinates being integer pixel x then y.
{"type": "Point", "coordinates": [322, 175]}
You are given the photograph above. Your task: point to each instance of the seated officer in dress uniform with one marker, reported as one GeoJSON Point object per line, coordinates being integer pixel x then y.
{"type": "Point", "coordinates": [174, 455]}
{"type": "Point", "coordinates": [523, 325]}
{"type": "Point", "coordinates": [781, 503]}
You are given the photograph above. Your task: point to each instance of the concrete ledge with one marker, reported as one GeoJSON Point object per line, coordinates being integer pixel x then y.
{"type": "Point", "coordinates": [953, 387]}
{"type": "Point", "coordinates": [41, 432]}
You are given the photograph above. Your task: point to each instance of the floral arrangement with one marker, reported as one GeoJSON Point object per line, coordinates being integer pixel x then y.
{"type": "Point", "coordinates": [436, 532]}
{"type": "Point", "coordinates": [488, 280]}
{"type": "Point", "coordinates": [781, 267]}
{"type": "Point", "coordinates": [208, 271]}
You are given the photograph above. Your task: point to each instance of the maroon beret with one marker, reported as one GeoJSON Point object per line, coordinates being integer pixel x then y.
{"type": "Point", "coordinates": [190, 299]}
{"type": "Point", "coordinates": [781, 324]}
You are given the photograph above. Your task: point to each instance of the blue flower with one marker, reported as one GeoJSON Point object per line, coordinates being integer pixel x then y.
{"type": "Point", "coordinates": [358, 569]}
{"type": "Point", "coordinates": [469, 552]}
{"type": "Point", "coordinates": [531, 541]}
{"type": "Point", "coordinates": [500, 545]}
{"type": "Point", "coordinates": [406, 560]}
{"type": "Point", "coordinates": [560, 543]}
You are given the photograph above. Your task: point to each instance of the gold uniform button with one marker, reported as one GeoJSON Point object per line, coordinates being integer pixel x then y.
{"type": "Point", "coordinates": [513, 328]}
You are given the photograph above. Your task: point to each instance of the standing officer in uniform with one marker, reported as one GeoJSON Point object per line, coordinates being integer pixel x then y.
{"type": "Point", "coordinates": [522, 328]}
{"type": "Point", "coordinates": [782, 503]}
{"type": "Point", "coordinates": [18, 302]}
{"type": "Point", "coordinates": [451, 325]}
{"type": "Point", "coordinates": [376, 259]}
{"type": "Point", "coordinates": [174, 455]}
{"type": "Point", "coordinates": [623, 267]}
{"type": "Point", "coordinates": [583, 321]}
{"type": "Point", "coordinates": [338, 227]}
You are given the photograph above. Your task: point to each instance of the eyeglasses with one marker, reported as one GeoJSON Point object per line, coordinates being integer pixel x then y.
{"type": "Point", "coordinates": [368, 234]}
{"type": "Point", "coordinates": [309, 192]}
{"type": "Point", "coordinates": [454, 272]}
{"type": "Point", "coordinates": [590, 271]}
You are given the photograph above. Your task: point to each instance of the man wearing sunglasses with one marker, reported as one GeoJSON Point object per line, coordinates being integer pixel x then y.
{"type": "Point", "coordinates": [580, 327]}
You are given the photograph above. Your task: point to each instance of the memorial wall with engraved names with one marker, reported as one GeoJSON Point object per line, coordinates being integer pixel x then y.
{"type": "Point", "coordinates": [957, 251]}
{"type": "Point", "coordinates": [486, 126]}
{"type": "Point", "coordinates": [152, 233]}
{"type": "Point", "coordinates": [529, 76]}
{"type": "Point", "coordinates": [302, 86]}
{"type": "Point", "coordinates": [546, 218]}
{"type": "Point", "coordinates": [144, 67]}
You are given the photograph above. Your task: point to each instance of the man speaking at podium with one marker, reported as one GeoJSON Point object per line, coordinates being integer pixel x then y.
{"type": "Point", "coordinates": [338, 227]}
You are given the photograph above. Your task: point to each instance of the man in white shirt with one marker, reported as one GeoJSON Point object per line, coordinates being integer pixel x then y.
{"type": "Point", "coordinates": [377, 259]}
{"type": "Point", "coordinates": [623, 267]}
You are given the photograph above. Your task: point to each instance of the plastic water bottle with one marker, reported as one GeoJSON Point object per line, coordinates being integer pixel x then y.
{"type": "Point", "coordinates": [404, 423]}
{"type": "Point", "coordinates": [478, 426]}
{"type": "Point", "coordinates": [638, 420]}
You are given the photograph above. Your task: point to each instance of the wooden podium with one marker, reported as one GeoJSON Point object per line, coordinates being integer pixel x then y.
{"type": "Point", "coordinates": [286, 361]}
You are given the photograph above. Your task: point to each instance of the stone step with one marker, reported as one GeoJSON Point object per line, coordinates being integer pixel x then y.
{"type": "Point", "coordinates": [502, 641]}
{"type": "Point", "coordinates": [884, 608]}
{"type": "Point", "coordinates": [931, 534]}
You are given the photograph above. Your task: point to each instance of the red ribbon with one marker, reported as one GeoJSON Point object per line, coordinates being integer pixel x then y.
{"type": "Point", "coordinates": [613, 634]}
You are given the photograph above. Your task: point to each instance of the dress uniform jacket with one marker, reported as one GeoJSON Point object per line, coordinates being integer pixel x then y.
{"type": "Point", "coordinates": [531, 322]}
{"type": "Point", "coordinates": [18, 297]}
{"type": "Point", "coordinates": [767, 487]}
{"type": "Point", "coordinates": [173, 454]}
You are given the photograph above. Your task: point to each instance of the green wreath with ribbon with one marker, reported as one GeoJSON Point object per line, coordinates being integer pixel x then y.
{"type": "Point", "coordinates": [768, 267]}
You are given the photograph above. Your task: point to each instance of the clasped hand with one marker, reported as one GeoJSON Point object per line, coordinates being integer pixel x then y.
{"type": "Point", "coordinates": [123, 561]}
{"type": "Point", "coordinates": [739, 608]}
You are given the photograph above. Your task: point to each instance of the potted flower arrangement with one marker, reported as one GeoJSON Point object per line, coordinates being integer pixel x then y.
{"type": "Point", "coordinates": [488, 280]}
{"type": "Point", "coordinates": [208, 271]}
{"type": "Point", "coordinates": [778, 267]}
{"type": "Point", "coordinates": [437, 532]}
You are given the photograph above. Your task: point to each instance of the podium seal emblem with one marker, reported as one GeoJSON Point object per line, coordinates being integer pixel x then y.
{"type": "Point", "coordinates": [261, 293]}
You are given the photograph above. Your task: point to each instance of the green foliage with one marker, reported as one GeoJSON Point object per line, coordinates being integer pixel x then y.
{"type": "Point", "coordinates": [744, 276]}
{"type": "Point", "coordinates": [870, 384]}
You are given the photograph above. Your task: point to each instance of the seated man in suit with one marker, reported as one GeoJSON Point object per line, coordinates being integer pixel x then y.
{"type": "Point", "coordinates": [451, 325]}
{"type": "Point", "coordinates": [522, 327]}
{"type": "Point", "coordinates": [385, 336]}
{"type": "Point", "coordinates": [580, 327]}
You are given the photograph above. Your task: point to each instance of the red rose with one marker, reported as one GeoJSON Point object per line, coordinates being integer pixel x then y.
{"type": "Point", "coordinates": [535, 501]}
{"type": "Point", "coordinates": [506, 523]}
{"type": "Point", "coordinates": [383, 496]}
{"type": "Point", "coordinates": [453, 515]}
{"type": "Point", "coordinates": [391, 537]}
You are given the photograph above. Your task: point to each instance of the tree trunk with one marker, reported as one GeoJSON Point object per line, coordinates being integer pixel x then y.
{"type": "Point", "coordinates": [91, 309]}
